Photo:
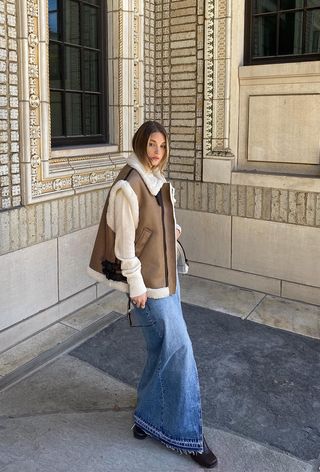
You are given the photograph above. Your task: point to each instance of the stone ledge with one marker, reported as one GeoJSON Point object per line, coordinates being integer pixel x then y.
{"type": "Point", "coordinates": [72, 340]}
{"type": "Point", "coordinates": [277, 181]}
{"type": "Point", "coordinates": [280, 71]}
{"type": "Point", "coordinates": [80, 151]}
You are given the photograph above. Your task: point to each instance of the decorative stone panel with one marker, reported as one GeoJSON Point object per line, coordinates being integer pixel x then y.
{"type": "Point", "coordinates": [10, 189]}
{"type": "Point", "coordinates": [278, 118]}
{"type": "Point", "coordinates": [149, 60]}
{"type": "Point", "coordinates": [284, 128]}
{"type": "Point", "coordinates": [217, 63]}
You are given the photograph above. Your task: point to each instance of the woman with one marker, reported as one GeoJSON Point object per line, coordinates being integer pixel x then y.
{"type": "Point", "coordinates": [135, 251]}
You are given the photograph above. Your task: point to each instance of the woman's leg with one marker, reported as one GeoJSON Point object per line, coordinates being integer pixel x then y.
{"type": "Point", "coordinates": [169, 405]}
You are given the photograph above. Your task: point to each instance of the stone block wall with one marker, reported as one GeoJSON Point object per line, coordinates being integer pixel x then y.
{"type": "Point", "coordinates": [51, 200]}
{"type": "Point", "coordinates": [195, 90]}
{"type": "Point", "coordinates": [284, 206]}
{"type": "Point", "coordinates": [187, 66]}
{"type": "Point", "coordinates": [178, 82]}
{"type": "Point", "coordinates": [33, 224]}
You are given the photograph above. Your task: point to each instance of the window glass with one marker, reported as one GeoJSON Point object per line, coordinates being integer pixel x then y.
{"type": "Point", "coordinates": [313, 3]}
{"type": "Point", "coordinates": [72, 21]}
{"type": "Point", "coordinates": [72, 68]}
{"type": "Point", "coordinates": [54, 32]}
{"type": "Point", "coordinates": [291, 4]}
{"type": "Point", "coordinates": [56, 113]}
{"type": "Point", "coordinates": [90, 26]}
{"type": "Point", "coordinates": [264, 35]}
{"type": "Point", "coordinates": [55, 72]}
{"type": "Point", "coordinates": [265, 6]}
{"type": "Point", "coordinates": [313, 31]}
{"type": "Point", "coordinates": [91, 115]}
{"type": "Point", "coordinates": [73, 114]}
{"type": "Point", "coordinates": [90, 71]}
{"type": "Point", "coordinates": [76, 71]}
{"type": "Point", "coordinates": [53, 5]}
{"type": "Point", "coordinates": [282, 31]}
{"type": "Point", "coordinates": [290, 33]}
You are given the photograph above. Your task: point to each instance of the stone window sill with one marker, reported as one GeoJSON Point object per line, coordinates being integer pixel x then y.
{"type": "Point", "coordinates": [82, 151]}
{"type": "Point", "coordinates": [266, 72]}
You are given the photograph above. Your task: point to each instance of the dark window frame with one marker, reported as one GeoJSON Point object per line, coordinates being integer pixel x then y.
{"type": "Point", "coordinates": [248, 56]}
{"type": "Point", "coordinates": [103, 137]}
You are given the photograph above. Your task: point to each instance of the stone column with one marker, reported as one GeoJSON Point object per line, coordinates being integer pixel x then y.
{"type": "Point", "coordinates": [10, 191]}
{"type": "Point", "coordinates": [217, 154]}
{"type": "Point", "coordinates": [149, 48]}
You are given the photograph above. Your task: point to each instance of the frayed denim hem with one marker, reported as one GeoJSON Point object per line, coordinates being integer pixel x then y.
{"type": "Point", "coordinates": [182, 446]}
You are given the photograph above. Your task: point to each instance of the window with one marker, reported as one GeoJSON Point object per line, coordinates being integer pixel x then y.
{"type": "Point", "coordinates": [282, 31]}
{"type": "Point", "coordinates": [77, 76]}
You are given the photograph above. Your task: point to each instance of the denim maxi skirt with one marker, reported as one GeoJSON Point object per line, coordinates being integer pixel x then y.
{"type": "Point", "coordinates": [168, 397]}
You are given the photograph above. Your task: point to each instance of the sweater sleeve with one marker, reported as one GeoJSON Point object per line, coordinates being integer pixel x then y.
{"type": "Point", "coordinates": [125, 247]}
{"type": "Point", "coordinates": [178, 227]}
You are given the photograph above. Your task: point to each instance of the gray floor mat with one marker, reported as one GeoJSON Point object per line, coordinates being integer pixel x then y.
{"type": "Point", "coordinates": [257, 381]}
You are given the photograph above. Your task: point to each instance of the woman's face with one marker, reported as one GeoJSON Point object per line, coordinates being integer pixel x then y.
{"type": "Point", "coordinates": [156, 148]}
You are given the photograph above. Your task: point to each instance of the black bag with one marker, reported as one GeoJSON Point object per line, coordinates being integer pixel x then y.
{"type": "Point", "coordinates": [112, 270]}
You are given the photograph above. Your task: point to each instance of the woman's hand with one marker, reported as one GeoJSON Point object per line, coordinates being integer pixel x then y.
{"type": "Point", "coordinates": [140, 301]}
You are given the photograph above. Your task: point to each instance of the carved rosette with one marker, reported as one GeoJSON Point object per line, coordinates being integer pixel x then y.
{"type": "Point", "coordinates": [35, 161]}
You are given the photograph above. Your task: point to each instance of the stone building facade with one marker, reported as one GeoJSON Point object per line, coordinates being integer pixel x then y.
{"type": "Point", "coordinates": [244, 156]}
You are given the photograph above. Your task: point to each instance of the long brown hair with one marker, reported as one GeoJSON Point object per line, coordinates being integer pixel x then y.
{"type": "Point", "coordinates": [140, 141]}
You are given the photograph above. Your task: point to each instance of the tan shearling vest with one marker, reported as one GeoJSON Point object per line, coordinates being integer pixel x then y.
{"type": "Point", "coordinates": [155, 239]}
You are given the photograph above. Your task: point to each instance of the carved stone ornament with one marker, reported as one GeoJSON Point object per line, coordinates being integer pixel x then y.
{"type": "Point", "coordinates": [48, 176]}
{"type": "Point", "coordinates": [33, 40]}
{"type": "Point", "coordinates": [34, 101]}
{"type": "Point", "coordinates": [93, 178]}
{"type": "Point", "coordinates": [35, 161]}
{"type": "Point", "coordinates": [217, 69]}
{"type": "Point", "coordinates": [57, 184]}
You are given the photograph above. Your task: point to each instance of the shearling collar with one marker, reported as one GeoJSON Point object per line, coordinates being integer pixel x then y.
{"type": "Point", "coordinates": [152, 178]}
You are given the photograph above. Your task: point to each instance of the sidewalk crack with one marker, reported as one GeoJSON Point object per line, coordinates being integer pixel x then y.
{"type": "Point", "coordinates": [256, 306]}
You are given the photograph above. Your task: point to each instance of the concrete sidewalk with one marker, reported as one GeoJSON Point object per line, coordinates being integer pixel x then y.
{"type": "Point", "coordinates": [58, 413]}
{"type": "Point", "coordinates": [23, 358]}
{"type": "Point", "coordinates": [71, 417]}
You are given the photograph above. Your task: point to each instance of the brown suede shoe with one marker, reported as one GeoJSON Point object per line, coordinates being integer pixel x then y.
{"type": "Point", "coordinates": [207, 458]}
